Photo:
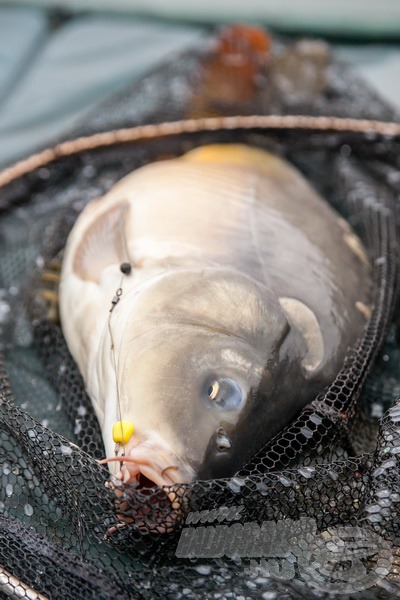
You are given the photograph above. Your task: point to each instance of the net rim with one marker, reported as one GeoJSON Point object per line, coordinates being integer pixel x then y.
{"type": "Point", "coordinates": [139, 133]}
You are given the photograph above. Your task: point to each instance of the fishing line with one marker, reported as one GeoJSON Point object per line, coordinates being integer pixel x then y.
{"type": "Point", "coordinates": [125, 268]}
{"type": "Point", "coordinates": [114, 303]}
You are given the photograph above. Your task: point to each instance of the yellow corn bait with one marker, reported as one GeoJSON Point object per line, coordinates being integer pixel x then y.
{"type": "Point", "coordinates": [122, 432]}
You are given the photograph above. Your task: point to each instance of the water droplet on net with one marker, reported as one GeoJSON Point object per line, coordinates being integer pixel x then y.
{"type": "Point", "coordinates": [66, 450]}
{"type": "Point", "coordinates": [251, 585]}
{"type": "Point", "coordinates": [383, 493]}
{"type": "Point", "coordinates": [89, 171]}
{"type": "Point", "coordinates": [284, 481]}
{"type": "Point", "coordinates": [393, 177]}
{"type": "Point", "coordinates": [307, 472]}
{"type": "Point", "coordinates": [375, 518]}
{"type": "Point", "coordinates": [387, 464]}
{"type": "Point", "coordinates": [268, 596]}
{"type": "Point", "coordinates": [376, 410]}
{"type": "Point", "coordinates": [263, 488]}
{"type": "Point", "coordinates": [307, 432]}
{"type": "Point", "coordinates": [385, 502]}
{"type": "Point", "coordinates": [235, 484]}
{"type": "Point", "coordinates": [40, 262]}
{"type": "Point", "coordinates": [44, 173]}
{"type": "Point", "coordinates": [203, 569]}
{"type": "Point", "coordinates": [4, 311]}
{"type": "Point", "coordinates": [345, 150]}
{"type": "Point", "coordinates": [261, 580]}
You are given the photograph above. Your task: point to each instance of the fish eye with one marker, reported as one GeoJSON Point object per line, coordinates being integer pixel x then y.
{"type": "Point", "coordinates": [225, 393]}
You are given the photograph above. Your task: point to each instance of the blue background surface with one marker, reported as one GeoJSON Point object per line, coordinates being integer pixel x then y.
{"type": "Point", "coordinates": [52, 73]}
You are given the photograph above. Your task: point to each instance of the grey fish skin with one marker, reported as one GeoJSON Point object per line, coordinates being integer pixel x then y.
{"type": "Point", "coordinates": [247, 291]}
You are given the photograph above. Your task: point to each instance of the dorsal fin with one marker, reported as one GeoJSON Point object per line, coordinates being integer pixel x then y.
{"type": "Point", "coordinates": [103, 243]}
{"type": "Point", "coordinates": [243, 156]}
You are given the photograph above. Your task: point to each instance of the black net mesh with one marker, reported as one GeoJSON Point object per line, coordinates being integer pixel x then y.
{"type": "Point", "coordinates": [277, 528]}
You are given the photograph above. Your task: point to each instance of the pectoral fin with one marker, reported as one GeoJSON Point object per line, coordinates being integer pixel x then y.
{"type": "Point", "coordinates": [103, 244]}
{"type": "Point", "coordinates": [307, 324]}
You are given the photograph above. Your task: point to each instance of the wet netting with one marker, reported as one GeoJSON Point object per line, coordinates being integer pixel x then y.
{"type": "Point", "coordinates": [316, 512]}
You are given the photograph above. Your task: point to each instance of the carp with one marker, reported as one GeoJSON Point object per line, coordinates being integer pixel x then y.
{"type": "Point", "coordinates": [206, 300]}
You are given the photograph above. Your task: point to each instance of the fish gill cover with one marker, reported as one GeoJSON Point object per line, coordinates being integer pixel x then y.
{"type": "Point", "coordinates": [316, 512]}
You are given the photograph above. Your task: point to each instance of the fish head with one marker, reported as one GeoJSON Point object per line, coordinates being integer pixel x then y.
{"type": "Point", "coordinates": [199, 370]}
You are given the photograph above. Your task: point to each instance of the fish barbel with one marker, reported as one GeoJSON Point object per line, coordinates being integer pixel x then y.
{"type": "Point", "coordinates": [246, 292]}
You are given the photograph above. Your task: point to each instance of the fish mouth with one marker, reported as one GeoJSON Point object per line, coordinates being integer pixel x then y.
{"type": "Point", "coordinates": [142, 476]}
{"type": "Point", "coordinates": [146, 466]}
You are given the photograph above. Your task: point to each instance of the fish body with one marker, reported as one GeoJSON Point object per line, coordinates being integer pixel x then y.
{"type": "Point", "coordinates": [246, 292]}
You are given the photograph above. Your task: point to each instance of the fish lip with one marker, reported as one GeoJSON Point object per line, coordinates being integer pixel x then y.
{"type": "Point", "coordinates": [154, 462]}
{"type": "Point", "coordinates": [130, 474]}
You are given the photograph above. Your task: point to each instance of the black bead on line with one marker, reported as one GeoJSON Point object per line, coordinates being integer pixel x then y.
{"type": "Point", "coordinates": [125, 268]}
{"type": "Point", "coordinates": [115, 301]}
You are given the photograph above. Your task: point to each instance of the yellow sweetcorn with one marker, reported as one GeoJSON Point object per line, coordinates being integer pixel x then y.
{"type": "Point", "coordinates": [122, 432]}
